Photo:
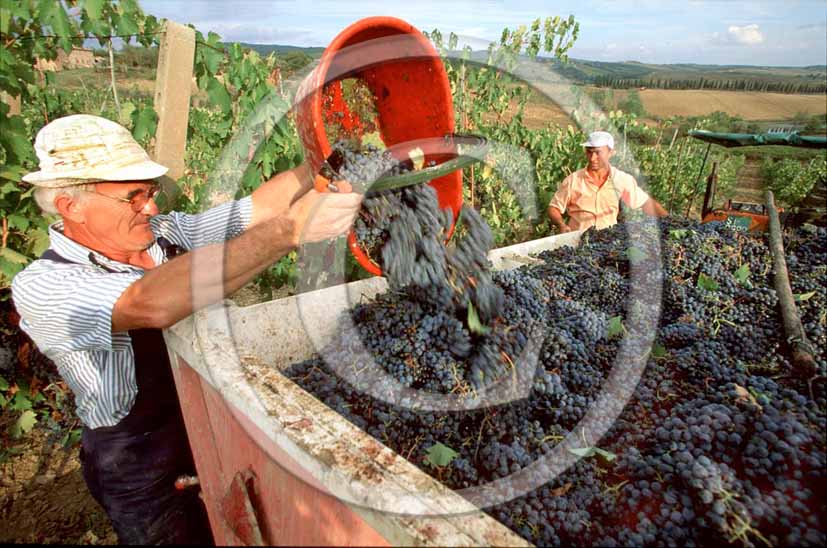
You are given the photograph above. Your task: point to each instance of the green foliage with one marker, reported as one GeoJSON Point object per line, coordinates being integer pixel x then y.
{"type": "Point", "coordinates": [284, 272]}
{"type": "Point", "coordinates": [659, 351]}
{"type": "Point", "coordinates": [489, 100]}
{"type": "Point", "coordinates": [632, 103]}
{"type": "Point", "coordinates": [706, 283]}
{"type": "Point", "coordinates": [816, 124]}
{"type": "Point", "coordinates": [439, 455]}
{"type": "Point", "coordinates": [742, 274]}
{"type": "Point", "coordinates": [791, 180]}
{"type": "Point", "coordinates": [615, 328]}
{"type": "Point", "coordinates": [38, 29]}
{"type": "Point", "coordinates": [245, 118]}
{"type": "Point", "coordinates": [133, 56]}
{"type": "Point", "coordinates": [474, 323]}
{"type": "Point", "coordinates": [800, 297]}
{"type": "Point", "coordinates": [603, 98]}
{"type": "Point", "coordinates": [586, 452]}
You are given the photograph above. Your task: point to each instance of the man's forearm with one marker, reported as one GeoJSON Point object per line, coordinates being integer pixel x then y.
{"type": "Point", "coordinates": [557, 218]}
{"type": "Point", "coordinates": [273, 197]}
{"type": "Point", "coordinates": [653, 208]}
{"type": "Point", "coordinates": [174, 290]}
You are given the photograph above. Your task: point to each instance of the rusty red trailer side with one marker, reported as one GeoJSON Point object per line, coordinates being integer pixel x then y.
{"type": "Point", "coordinates": [277, 503]}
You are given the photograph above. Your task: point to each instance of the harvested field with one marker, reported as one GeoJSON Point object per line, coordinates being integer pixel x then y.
{"type": "Point", "coordinates": [663, 103]}
{"type": "Point", "coordinates": [749, 105]}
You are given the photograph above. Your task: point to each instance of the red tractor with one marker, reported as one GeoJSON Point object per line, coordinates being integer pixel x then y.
{"type": "Point", "coordinates": [754, 216]}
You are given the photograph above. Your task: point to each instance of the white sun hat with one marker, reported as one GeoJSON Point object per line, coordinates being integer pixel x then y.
{"type": "Point", "coordinates": [600, 139]}
{"type": "Point", "coordinates": [82, 149]}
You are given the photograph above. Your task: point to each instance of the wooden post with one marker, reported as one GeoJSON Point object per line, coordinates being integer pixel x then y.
{"type": "Point", "coordinates": [803, 363]}
{"type": "Point", "coordinates": [12, 101]}
{"type": "Point", "coordinates": [711, 188]}
{"type": "Point", "coordinates": [176, 56]}
{"type": "Point", "coordinates": [697, 181]}
{"type": "Point", "coordinates": [674, 136]}
{"type": "Point", "coordinates": [112, 75]}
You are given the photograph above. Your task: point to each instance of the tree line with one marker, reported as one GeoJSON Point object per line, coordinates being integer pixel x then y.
{"type": "Point", "coordinates": [744, 84]}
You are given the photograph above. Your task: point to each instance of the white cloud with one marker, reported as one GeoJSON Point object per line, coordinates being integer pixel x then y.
{"type": "Point", "coordinates": [748, 35]}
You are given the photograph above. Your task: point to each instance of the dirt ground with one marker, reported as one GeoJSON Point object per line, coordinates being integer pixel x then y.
{"type": "Point", "coordinates": [44, 500]}
{"type": "Point", "coordinates": [750, 184]}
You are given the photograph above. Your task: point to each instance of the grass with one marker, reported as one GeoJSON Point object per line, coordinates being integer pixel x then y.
{"type": "Point", "coordinates": [141, 79]}
{"type": "Point", "coordinates": [778, 151]}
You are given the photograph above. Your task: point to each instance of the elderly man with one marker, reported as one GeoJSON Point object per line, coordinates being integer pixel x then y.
{"type": "Point", "coordinates": [115, 274]}
{"type": "Point", "coordinates": [591, 196]}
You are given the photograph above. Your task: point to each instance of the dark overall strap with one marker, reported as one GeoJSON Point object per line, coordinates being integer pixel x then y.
{"type": "Point", "coordinates": [156, 399]}
{"type": "Point", "coordinates": [170, 250]}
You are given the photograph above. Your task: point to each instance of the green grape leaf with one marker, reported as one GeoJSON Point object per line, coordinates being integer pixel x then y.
{"type": "Point", "coordinates": [145, 122]}
{"type": "Point", "coordinates": [4, 384]}
{"type": "Point", "coordinates": [126, 25]}
{"type": "Point", "coordinates": [130, 8]}
{"type": "Point", "coordinates": [615, 328]}
{"type": "Point", "coordinates": [11, 173]}
{"type": "Point", "coordinates": [5, 17]}
{"type": "Point", "coordinates": [93, 9]}
{"type": "Point", "coordinates": [659, 351]}
{"type": "Point", "coordinates": [54, 15]}
{"type": "Point", "coordinates": [125, 115]}
{"type": "Point", "coordinates": [20, 401]}
{"type": "Point", "coordinates": [212, 57]}
{"type": "Point", "coordinates": [440, 455]}
{"type": "Point", "coordinates": [582, 451]}
{"type": "Point", "coordinates": [16, 144]}
{"type": "Point", "coordinates": [799, 297]}
{"type": "Point", "coordinates": [607, 455]}
{"type": "Point", "coordinates": [18, 221]}
{"type": "Point", "coordinates": [474, 323]}
{"type": "Point", "coordinates": [678, 233]}
{"type": "Point", "coordinates": [71, 438]}
{"type": "Point", "coordinates": [586, 452]}
{"type": "Point", "coordinates": [9, 269]}
{"type": "Point", "coordinates": [707, 283]}
{"type": "Point", "coordinates": [742, 274]}
{"type": "Point", "coordinates": [25, 423]}
{"type": "Point", "coordinates": [13, 256]}
{"type": "Point", "coordinates": [218, 95]}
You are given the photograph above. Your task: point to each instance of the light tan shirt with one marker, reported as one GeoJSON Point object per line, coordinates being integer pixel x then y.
{"type": "Point", "coordinates": [588, 205]}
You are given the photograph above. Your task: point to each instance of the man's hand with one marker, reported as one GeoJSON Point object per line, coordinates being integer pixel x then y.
{"type": "Point", "coordinates": [557, 219]}
{"type": "Point", "coordinates": [320, 216]}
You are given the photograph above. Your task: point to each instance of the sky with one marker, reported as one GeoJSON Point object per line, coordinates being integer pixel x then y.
{"type": "Point", "coordinates": [756, 32]}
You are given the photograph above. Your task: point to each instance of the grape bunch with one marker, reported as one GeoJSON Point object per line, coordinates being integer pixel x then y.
{"type": "Point", "coordinates": [719, 443]}
{"type": "Point", "coordinates": [406, 231]}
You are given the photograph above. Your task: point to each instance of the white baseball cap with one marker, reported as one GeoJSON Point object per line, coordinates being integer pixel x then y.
{"type": "Point", "coordinates": [599, 139]}
{"type": "Point", "coordinates": [82, 149]}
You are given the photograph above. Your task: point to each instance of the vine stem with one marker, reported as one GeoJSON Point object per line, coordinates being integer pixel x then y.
{"type": "Point", "coordinates": [5, 231]}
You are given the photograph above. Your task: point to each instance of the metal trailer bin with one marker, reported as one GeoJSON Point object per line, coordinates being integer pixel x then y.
{"type": "Point", "coordinates": [276, 465]}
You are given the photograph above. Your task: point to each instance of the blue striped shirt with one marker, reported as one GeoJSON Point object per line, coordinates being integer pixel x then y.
{"type": "Point", "coordinates": [67, 308]}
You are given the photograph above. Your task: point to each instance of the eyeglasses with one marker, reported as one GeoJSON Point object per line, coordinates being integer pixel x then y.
{"type": "Point", "coordinates": [137, 199]}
